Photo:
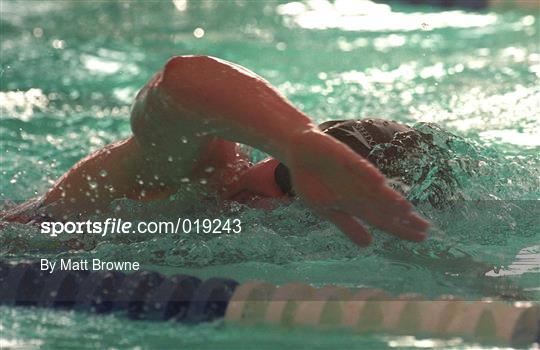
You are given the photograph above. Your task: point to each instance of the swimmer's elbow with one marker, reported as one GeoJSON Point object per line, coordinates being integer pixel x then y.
{"type": "Point", "coordinates": [178, 68]}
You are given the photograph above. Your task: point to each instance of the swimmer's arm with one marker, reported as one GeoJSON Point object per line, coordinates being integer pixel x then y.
{"type": "Point", "coordinates": [200, 96]}
{"type": "Point", "coordinates": [195, 97]}
{"type": "Point", "coordinates": [208, 100]}
{"type": "Point", "coordinates": [107, 174]}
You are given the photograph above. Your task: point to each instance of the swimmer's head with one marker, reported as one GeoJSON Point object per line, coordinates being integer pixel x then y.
{"type": "Point", "coordinates": [361, 135]}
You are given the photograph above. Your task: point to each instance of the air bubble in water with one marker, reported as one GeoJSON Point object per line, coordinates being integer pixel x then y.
{"type": "Point", "coordinates": [198, 32]}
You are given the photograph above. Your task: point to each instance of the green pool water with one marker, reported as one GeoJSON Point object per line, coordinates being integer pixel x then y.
{"type": "Point", "coordinates": [69, 71]}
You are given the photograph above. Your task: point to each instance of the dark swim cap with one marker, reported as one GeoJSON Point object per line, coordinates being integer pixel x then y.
{"type": "Point", "coordinates": [361, 135]}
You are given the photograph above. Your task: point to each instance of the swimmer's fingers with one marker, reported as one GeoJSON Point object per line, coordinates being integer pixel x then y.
{"type": "Point", "coordinates": [323, 202]}
{"type": "Point", "coordinates": [372, 200]}
{"type": "Point", "coordinates": [400, 213]}
{"type": "Point", "coordinates": [384, 208]}
{"type": "Point", "coordinates": [350, 226]}
{"type": "Point", "coordinates": [345, 188]}
{"type": "Point", "coordinates": [394, 219]}
{"type": "Point", "coordinates": [398, 226]}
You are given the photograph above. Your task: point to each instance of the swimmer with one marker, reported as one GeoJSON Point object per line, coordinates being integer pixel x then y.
{"type": "Point", "coordinates": [188, 122]}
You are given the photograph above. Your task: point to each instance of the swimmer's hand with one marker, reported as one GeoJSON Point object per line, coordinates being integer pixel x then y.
{"type": "Point", "coordinates": [345, 188]}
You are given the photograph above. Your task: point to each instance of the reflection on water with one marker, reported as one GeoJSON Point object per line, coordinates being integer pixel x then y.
{"type": "Point", "coordinates": [365, 15]}
{"type": "Point", "coordinates": [526, 261]}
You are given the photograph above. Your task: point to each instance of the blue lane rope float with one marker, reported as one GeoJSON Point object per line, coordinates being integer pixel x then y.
{"type": "Point", "coordinates": [171, 299]}
{"type": "Point", "coordinates": [152, 296]}
{"type": "Point", "coordinates": [97, 293]}
{"type": "Point", "coordinates": [134, 291]}
{"type": "Point", "coordinates": [60, 289]}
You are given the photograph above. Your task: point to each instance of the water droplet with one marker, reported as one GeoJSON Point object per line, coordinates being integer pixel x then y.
{"type": "Point", "coordinates": [198, 33]}
{"type": "Point", "coordinates": [103, 173]}
{"type": "Point", "coordinates": [170, 159]}
{"type": "Point", "coordinates": [184, 139]}
{"type": "Point", "coordinates": [38, 32]}
{"type": "Point", "coordinates": [93, 185]}
{"type": "Point", "coordinates": [141, 182]}
{"type": "Point", "coordinates": [209, 169]}
{"type": "Point", "coordinates": [58, 44]}
{"type": "Point", "coordinates": [203, 182]}
{"type": "Point", "coordinates": [184, 179]}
